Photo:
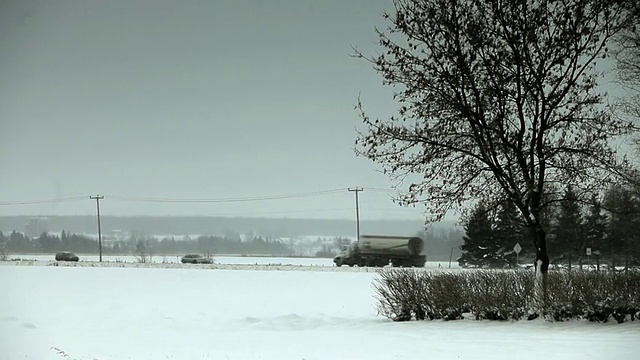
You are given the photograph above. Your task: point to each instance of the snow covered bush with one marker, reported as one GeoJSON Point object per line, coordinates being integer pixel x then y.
{"type": "Point", "coordinates": [597, 296]}
{"type": "Point", "coordinates": [411, 294]}
{"type": "Point", "coordinates": [396, 292]}
{"type": "Point", "coordinates": [499, 295]}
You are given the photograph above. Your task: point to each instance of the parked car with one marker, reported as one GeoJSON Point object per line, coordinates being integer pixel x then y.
{"type": "Point", "coordinates": [66, 256]}
{"type": "Point", "coordinates": [195, 259]}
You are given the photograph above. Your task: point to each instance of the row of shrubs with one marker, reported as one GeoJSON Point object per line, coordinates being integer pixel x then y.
{"type": "Point", "coordinates": [409, 294]}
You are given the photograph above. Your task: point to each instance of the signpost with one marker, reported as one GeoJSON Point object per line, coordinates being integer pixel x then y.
{"type": "Point", "coordinates": [517, 249]}
{"type": "Point", "coordinates": [589, 257]}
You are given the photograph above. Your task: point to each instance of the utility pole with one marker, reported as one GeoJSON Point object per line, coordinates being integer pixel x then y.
{"type": "Point", "coordinates": [357, 190]}
{"type": "Point", "coordinates": [97, 198]}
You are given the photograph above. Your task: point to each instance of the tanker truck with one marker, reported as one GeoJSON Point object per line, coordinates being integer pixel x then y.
{"type": "Point", "coordinates": [378, 250]}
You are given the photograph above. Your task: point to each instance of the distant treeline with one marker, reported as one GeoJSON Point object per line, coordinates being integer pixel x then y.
{"type": "Point", "coordinates": [228, 226]}
{"type": "Point", "coordinates": [440, 238]}
{"type": "Point", "coordinates": [17, 243]}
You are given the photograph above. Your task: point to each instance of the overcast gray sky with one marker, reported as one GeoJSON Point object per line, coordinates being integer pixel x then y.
{"type": "Point", "coordinates": [189, 99]}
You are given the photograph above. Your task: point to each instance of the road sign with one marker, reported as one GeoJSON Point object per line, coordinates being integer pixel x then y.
{"type": "Point", "coordinates": [588, 251]}
{"type": "Point", "coordinates": [518, 248]}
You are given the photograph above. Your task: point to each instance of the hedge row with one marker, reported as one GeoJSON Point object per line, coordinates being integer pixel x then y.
{"type": "Point", "coordinates": [409, 294]}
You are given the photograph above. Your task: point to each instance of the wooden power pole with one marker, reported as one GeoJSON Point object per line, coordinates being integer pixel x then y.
{"type": "Point", "coordinates": [97, 198]}
{"type": "Point", "coordinates": [357, 190]}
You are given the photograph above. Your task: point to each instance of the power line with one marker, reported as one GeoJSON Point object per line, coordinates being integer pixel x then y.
{"type": "Point", "coordinates": [198, 200]}
{"type": "Point", "coordinates": [228, 200]}
{"type": "Point", "coordinates": [278, 212]}
{"type": "Point", "coordinates": [344, 210]}
{"type": "Point", "coordinates": [47, 201]}
{"type": "Point", "coordinates": [383, 190]}
{"type": "Point", "coordinates": [369, 210]}
{"type": "Point", "coordinates": [185, 200]}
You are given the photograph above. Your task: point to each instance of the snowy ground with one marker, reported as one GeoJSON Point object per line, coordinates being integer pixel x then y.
{"type": "Point", "coordinates": [149, 313]}
{"type": "Point", "coordinates": [222, 259]}
{"type": "Point", "coordinates": [218, 260]}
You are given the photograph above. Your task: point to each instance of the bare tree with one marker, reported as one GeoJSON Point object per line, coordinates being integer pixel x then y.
{"type": "Point", "coordinates": [628, 55]}
{"type": "Point", "coordinates": [208, 254]}
{"type": "Point", "coordinates": [498, 102]}
{"type": "Point", "coordinates": [339, 243]}
{"type": "Point", "coordinates": [143, 252]}
{"type": "Point", "coordinates": [4, 252]}
{"type": "Point", "coordinates": [207, 247]}
{"type": "Point", "coordinates": [628, 61]}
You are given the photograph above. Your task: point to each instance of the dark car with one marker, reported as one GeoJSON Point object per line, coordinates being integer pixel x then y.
{"type": "Point", "coordinates": [66, 256]}
{"type": "Point", "coordinates": [195, 259]}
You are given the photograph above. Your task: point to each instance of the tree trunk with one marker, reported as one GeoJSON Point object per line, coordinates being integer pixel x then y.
{"type": "Point", "coordinates": [542, 268]}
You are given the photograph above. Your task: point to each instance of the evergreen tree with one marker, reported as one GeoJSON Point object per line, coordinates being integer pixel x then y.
{"type": "Point", "coordinates": [479, 249]}
{"type": "Point", "coordinates": [18, 243]}
{"type": "Point", "coordinates": [595, 226]}
{"type": "Point", "coordinates": [566, 242]}
{"type": "Point", "coordinates": [64, 240]}
{"type": "Point", "coordinates": [508, 231]}
{"type": "Point", "coordinates": [48, 243]}
{"type": "Point", "coordinates": [622, 235]}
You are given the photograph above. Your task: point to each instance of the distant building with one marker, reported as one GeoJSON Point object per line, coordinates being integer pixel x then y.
{"type": "Point", "coordinates": [35, 227]}
{"type": "Point", "coordinates": [113, 238]}
{"type": "Point", "coordinates": [119, 235]}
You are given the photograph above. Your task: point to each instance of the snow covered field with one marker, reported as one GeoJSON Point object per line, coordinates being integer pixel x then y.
{"type": "Point", "coordinates": [223, 260]}
{"type": "Point", "coordinates": [260, 260]}
{"type": "Point", "coordinates": [149, 313]}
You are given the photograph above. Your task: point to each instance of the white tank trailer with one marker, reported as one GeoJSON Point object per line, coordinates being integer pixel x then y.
{"type": "Point", "coordinates": [378, 250]}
